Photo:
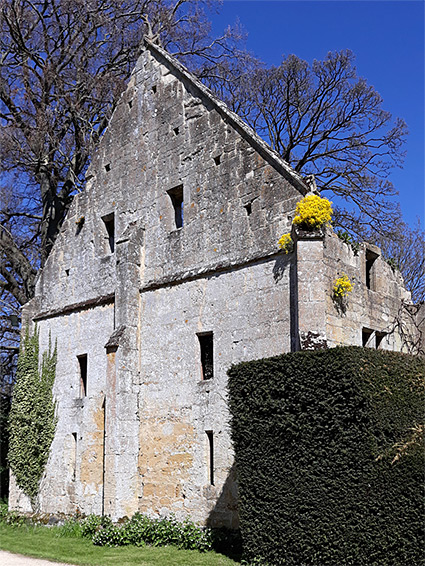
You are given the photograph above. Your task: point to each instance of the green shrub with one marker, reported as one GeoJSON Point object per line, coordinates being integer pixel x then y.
{"type": "Point", "coordinates": [227, 541]}
{"type": "Point", "coordinates": [330, 459]}
{"type": "Point", "coordinates": [5, 402]}
{"type": "Point", "coordinates": [15, 519]}
{"type": "Point", "coordinates": [192, 537]}
{"type": "Point", "coordinates": [113, 535]}
{"type": "Point", "coordinates": [93, 523]}
{"type": "Point", "coordinates": [142, 530]}
{"type": "Point", "coordinates": [32, 420]}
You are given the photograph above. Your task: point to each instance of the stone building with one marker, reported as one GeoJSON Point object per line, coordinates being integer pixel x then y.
{"type": "Point", "coordinates": [167, 271]}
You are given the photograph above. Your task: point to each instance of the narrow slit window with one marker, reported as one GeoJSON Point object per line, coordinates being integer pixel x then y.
{"type": "Point", "coordinates": [154, 89]}
{"type": "Point", "coordinates": [371, 257]}
{"type": "Point", "coordinates": [217, 159]}
{"type": "Point", "coordinates": [80, 223]}
{"type": "Point", "coordinates": [109, 222]}
{"type": "Point", "coordinates": [130, 104]}
{"type": "Point", "coordinates": [210, 437]}
{"type": "Point", "coordinates": [74, 455]}
{"type": "Point", "coordinates": [82, 362]}
{"type": "Point", "coordinates": [176, 196]}
{"type": "Point", "coordinates": [248, 208]}
{"type": "Point", "coordinates": [207, 355]}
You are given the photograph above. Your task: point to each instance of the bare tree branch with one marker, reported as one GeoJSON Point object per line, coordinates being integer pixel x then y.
{"type": "Point", "coordinates": [325, 121]}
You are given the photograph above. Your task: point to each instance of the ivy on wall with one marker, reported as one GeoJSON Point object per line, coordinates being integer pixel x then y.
{"type": "Point", "coordinates": [32, 420]}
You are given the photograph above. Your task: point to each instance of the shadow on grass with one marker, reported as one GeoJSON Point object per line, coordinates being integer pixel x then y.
{"type": "Point", "coordinates": [224, 519]}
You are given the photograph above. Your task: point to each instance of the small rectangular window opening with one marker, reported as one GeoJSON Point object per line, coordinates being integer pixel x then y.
{"type": "Point", "coordinates": [176, 196]}
{"type": "Point", "coordinates": [248, 208]}
{"type": "Point", "coordinates": [210, 436]}
{"type": "Point", "coordinates": [80, 223]}
{"type": "Point", "coordinates": [370, 260]}
{"type": "Point", "coordinates": [176, 131]}
{"type": "Point", "coordinates": [107, 167]}
{"type": "Point", "coordinates": [130, 104]}
{"type": "Point", "coordinates": [109, 222]}
{"type": "Point", "coordinates": [366, 334]}
{"type": "Point", "coordinates": [82, 361]}
{"type": "Point", "coordinates": [217, 159]}
{"type": "Point", "coordinates": [207, 355]}
{"type": "Point", "coordinates": [154, 89]}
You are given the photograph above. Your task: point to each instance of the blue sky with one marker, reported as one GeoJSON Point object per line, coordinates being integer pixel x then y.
{"type": "Point", "coordinates": [387, 37]}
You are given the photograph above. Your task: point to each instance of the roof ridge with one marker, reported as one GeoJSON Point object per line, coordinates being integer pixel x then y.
{"type": "Point", "coordinates": [260, 145]}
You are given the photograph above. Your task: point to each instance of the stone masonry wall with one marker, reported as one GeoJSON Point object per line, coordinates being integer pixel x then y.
{"type": "Point", "coordinates": [248, 312]}
{"type": "Point", "coordinates": [73, 477]}
{"type": "Point", "coordinates": [152, 290]}
{"type": "Point", "coordinates": [375, 309]}
{"type": "Point", "coordinates": [236, 203]}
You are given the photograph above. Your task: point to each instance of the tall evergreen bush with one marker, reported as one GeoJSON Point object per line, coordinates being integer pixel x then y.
{"type": "Point", "coordinates": [32, 420]}
{"type": "Point", "coordinates": [329, 450]}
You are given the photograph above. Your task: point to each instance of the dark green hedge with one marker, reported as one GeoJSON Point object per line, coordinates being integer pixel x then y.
{"type": "Point", "coordinates": [330, 459]}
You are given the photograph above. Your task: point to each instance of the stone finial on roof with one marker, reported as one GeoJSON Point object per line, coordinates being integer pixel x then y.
{"type": "Point", "coordinates": [310, 181]}
{"type": "Point", "coordinates": [149, 34]}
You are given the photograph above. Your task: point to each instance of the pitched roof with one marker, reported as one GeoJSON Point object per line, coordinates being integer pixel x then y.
{"type": "Point", "coordinates": [271, 156]}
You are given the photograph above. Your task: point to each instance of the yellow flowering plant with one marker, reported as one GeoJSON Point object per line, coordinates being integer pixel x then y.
{"type": "Point", "coordinates": [342, 287]}
{"type": "Point", "coordinates": [286, 244]}
{"type": "Point", "coordinates": [313, 212]}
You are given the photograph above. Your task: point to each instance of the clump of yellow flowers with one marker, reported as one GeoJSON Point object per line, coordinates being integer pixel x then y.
{"type": "Point", "coordinates": [286, 244]}
{"type": "Point", "coordinates": [342, 287]}
{"type": "Point", "coordinates": [313, 212]}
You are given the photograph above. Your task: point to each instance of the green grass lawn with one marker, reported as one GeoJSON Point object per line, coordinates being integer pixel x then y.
{"type": "Point", "coordinates": [44, 542]}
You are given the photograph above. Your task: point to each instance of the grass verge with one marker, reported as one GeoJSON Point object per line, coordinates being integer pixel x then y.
{"type": "Point", "coordinates": [44, 542]}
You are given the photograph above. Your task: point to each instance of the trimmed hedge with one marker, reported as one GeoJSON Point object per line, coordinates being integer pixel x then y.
{"type": "Point", "coordinates": [330, 459]}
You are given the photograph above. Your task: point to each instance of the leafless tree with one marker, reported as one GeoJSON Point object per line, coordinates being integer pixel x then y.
{"type": "Point", "coordinates": [324, 120]}
{"type": "Point", "coordinates": [63, 65]}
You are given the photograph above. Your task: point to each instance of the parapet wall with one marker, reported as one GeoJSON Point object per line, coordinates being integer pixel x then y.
{"type": "Point", "coordinates": [377, 313]}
